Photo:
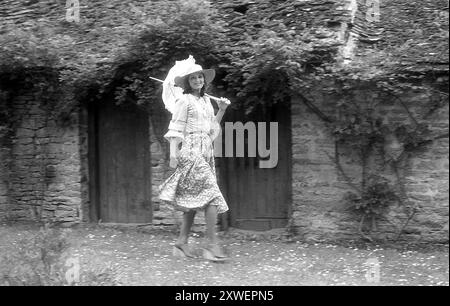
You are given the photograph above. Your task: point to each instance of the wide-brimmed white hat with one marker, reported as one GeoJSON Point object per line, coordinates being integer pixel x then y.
{"type": "Point", "coordinates": [208, 73]}
{"type": "Point", "coordinates": [173, 85]}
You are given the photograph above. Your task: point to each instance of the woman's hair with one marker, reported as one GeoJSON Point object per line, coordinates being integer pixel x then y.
{"type": "Point", "coordinates": [187, 89]}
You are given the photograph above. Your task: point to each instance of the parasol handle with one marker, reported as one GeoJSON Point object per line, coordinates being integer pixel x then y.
{"type": "Point", "coordinates": [212, 97]}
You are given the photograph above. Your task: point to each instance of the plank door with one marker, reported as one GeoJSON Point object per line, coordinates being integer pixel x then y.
{"type": "Point", "coordinates": [258, 198]}
{"type": "Point", "coordinates": [123, 165]}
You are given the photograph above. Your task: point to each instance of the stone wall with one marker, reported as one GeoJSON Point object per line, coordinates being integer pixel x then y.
{"type": "Point", "coordinates": [163, 214]}
{"type": "Point", "coordinates": [84, 164]}
{"type": "Point", "coordinates": [44, 182]}
{"type": "Point", "coordinates": [319, 210]}
{"type": "Point", "coordinates": [4, 179]}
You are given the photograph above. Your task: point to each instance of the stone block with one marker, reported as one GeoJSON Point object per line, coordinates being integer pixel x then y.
{"type": "Point", "coordinates": [66, 200]}
{"type": "Point", "coordinates": [24, 141]}
{"type": "Point", "coordinates": [25, 133]}
{"type": "Point", "coordinates": [49, 207]}
{"type": "Point", "coordinates": [68, 215]}
{"type": "Point", "coordinates": [42, 133]}
{"type": "Point", "coordinates": [56, 187]}
{"type": "Point", "coordinates": [421, 197]}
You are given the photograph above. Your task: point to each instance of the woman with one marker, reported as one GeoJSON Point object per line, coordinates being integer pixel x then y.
{"type": "Point", "coordinates": [193, 185]}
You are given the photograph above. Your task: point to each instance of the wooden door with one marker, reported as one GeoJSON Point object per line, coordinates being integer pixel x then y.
{"type": "Point", "coordinates": [122, 169]}
{"type": "Point", "coordinates": [259, 198]}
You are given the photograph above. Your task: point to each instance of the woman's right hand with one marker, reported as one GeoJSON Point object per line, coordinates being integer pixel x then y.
{"type": "Point", "coordinates": [173, 161]}
{"type": "Point", "coordinates": [223, 103]}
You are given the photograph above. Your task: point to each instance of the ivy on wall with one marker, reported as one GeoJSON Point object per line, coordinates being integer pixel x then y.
{"type": "Point", "coordinates": [361, 126]}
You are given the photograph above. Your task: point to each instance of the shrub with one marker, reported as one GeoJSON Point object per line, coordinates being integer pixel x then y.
{"type": "Point", "coordinates": [36, 261]}
{"type": "Point", "coordinates": [41, 260]}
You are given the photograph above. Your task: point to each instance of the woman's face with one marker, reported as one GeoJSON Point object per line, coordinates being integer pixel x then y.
{"type": "Point", "coordinates": [196, 80]}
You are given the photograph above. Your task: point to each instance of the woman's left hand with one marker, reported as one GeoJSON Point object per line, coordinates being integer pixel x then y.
{"type": "Point", "coordinates": [223, 103]}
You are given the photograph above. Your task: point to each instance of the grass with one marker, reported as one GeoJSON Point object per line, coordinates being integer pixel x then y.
{"type": "Point", "coordinates": [108, 256]}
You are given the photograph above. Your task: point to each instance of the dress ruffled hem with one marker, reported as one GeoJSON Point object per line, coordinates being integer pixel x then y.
{"type": "Point", "coordinates": [193, 185]}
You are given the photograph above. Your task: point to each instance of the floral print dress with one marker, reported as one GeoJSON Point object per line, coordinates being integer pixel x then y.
{"type": "Point", "coordinates": [193, 185]}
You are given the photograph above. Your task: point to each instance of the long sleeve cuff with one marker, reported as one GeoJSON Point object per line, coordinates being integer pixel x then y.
{"type": "Point", "coordinates": [173, 134]}
{"type": "Point", "coordinates": [178, 125]}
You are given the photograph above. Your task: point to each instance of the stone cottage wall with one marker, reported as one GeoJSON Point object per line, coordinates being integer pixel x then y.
{"type": "Point", "coordinates": [319, 211]}
{"type": "Point", "coordinates": [83, 128]}
{"type": "Point", "coordinates": [4, 179]}
{"type": "Point", "coordinates": [44, 181]}
{"type": "Point", "coordinates": [162, 213]}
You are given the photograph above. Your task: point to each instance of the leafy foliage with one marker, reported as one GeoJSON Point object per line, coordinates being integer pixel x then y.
{"type": "Point", "coordinates": [185, 29]}
{"type": "Point", "coordinates": [37, 260]}
{"type": "Point", "coordinates": [40, 258]}
{"type": "Point", "coordinates": [266, 69]}
{"type": "Point", "coordinates": [375, 199]}
{"type": "Point", "coordinates": [23, 50]}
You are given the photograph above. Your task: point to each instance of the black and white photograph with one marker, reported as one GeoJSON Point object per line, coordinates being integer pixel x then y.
{"type": "Point", "coordinates": [224, 149]}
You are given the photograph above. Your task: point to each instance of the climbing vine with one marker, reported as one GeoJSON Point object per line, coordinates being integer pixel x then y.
{"type": "Point", "coordinates": [361, 125]}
